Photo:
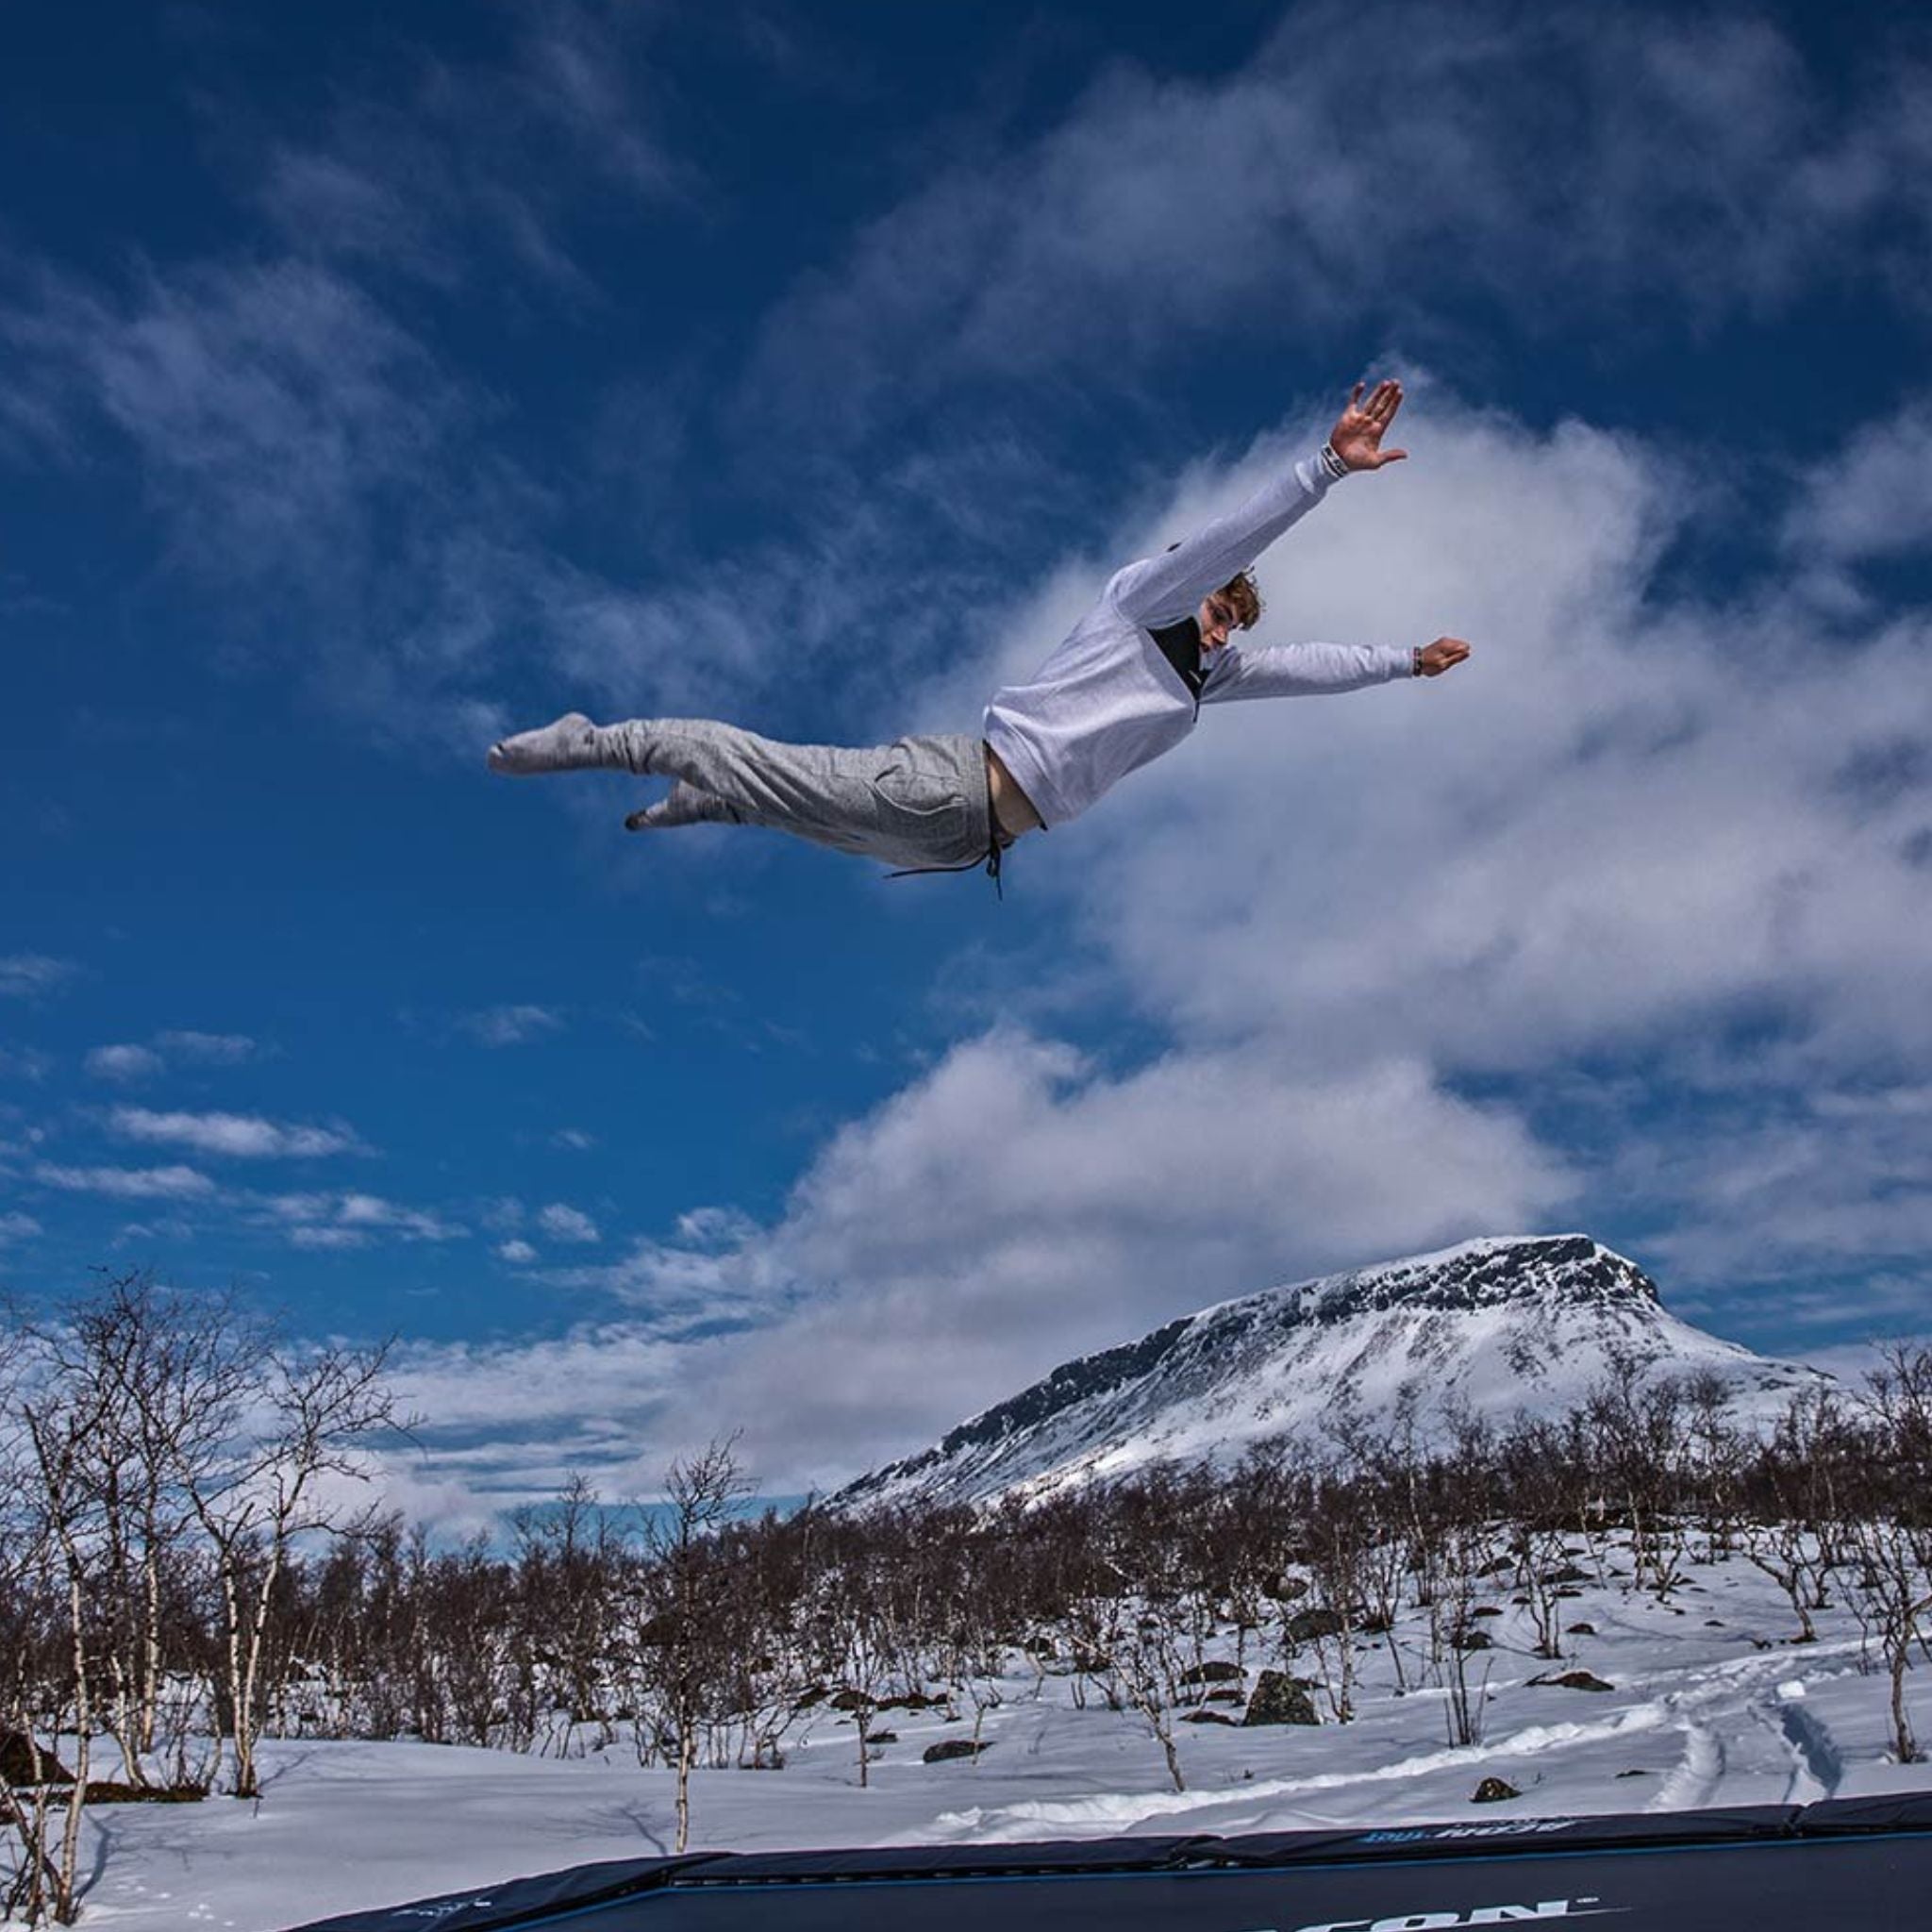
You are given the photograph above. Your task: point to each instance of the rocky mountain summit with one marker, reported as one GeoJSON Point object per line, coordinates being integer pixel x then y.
{"type": "Point", "coordinates": [1497, 1326]}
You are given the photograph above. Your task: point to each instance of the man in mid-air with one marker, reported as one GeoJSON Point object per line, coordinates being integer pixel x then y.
{"type": "Point", "coordinates": [1126, 685]}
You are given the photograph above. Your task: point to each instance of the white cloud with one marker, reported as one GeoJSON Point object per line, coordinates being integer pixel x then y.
{"type": "Point", "coordinates": [17, 1227]}
{"type": "Point", "coordinates": [563, 1223]}
{"type": "Point", "coordinates": [246, 1137]}
{"type": "Point", "coordinates": [1015, 1207]}
{"type": "Point", "coordinates": [518, 1252]}
{"type": "Point", "coordinates": [329, 1240]}
{"type": "Point", "coordinates": [714, 1227]}
{"type": "Point", "coordinates": [273, 404]}
{"type": "Point", "coordinates": [330, 1219]}
{"type": "Point", "coordinates": [510, 1423]}
{"type": "Point", "coordinates": [512, 1025]}
{"type": "Point", "coordinates": [457, 165]}
{"type": "Point", "coordinates": [24, 975]}
{"type": "Point", "coordinates": [206, 1049]}
{"type": "Point", "coordinates": [124, 1063]}
{"type": "Point", "coordinates": [574, 1139]}
{"type": "Point", "coordinates": [128, 1183]}
{"type": "Point", "coordinates": [25, 1063]}
{"type": "Point", "coordinates": [130, 1062]}
{"type": "Point", "coordinates": [1872, 499]}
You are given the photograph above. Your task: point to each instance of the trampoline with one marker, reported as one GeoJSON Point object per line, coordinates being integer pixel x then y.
{"type": "Point", "coordinates": [1863, 1863]}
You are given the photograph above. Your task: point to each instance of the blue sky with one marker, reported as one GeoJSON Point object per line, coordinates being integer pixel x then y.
{"type": "Point", "coordinates": [374, 385]}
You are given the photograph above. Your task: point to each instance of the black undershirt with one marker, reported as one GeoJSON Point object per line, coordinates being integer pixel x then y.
{"type": "Point", "coordinates": [1180, 645]}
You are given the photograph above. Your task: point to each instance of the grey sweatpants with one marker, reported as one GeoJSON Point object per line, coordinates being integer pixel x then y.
{"type": "Point", "coordinates": [916, 803]}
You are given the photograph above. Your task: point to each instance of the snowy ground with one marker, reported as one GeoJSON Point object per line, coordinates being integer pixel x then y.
{"type": "Point", "coordinates": [1699, 1716]}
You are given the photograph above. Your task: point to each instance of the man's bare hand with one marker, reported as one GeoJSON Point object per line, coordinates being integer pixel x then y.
{"type": "Point", "coordinates": [1357, 438]}
{"type": "Point", "coordinates": [1444, 655]}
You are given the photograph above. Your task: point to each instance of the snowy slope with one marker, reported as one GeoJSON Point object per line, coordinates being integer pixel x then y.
{"type": "Point", "coordinates": [1497, 1326]}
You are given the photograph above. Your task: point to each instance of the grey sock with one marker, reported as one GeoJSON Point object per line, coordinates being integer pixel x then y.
{"type": "Point", "coordinates": [684, 805]}
{"type": "Point", "coordinates": [569, 744]}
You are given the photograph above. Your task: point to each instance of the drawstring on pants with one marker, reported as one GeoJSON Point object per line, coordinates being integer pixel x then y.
{"type": "Point", "coordinates": [994, 849]}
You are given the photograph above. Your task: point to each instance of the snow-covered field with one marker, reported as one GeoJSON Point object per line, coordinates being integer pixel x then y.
{"type": "Point", "coordinates": [1700, 1714]}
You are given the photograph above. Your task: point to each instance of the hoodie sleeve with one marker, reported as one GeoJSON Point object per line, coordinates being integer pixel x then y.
{"type": "Point", "coordinates": [1298, 671]}
{"type": "Point", "coordinates": [1163, 589]}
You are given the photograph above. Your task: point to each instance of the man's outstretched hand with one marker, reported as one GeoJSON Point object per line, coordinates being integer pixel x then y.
{"type": "Point", "coordinates": [1356, 439]}
{"type": "Point", "coordinates": [1431, 660]}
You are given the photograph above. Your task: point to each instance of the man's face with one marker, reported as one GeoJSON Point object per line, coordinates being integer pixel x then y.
{"type": "Point", "coordinates": [1216, 618]}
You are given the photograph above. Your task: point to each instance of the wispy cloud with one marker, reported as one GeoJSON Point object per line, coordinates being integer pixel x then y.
{"type": "Point", "coordinates": [123, 1063]}
{"type": "Point", "coordinates": [1287, 208]}
{"type": "Point", "coordinates": [306, 459]}
{"type": "Point", "coordinates": [245, 1137]}
{"type": "Point", "coordinates": [128, 1183]}
{"type": "Point", "coordinates": [1873, 498]}
{"type": "Point", "coordinates": [458, 166]}
{"type": "Point", "coordinates": [189, 1048]}
{"type": "Point", "coordinates": [350, 1220]}
{"type": "Point", "coordinates": [276, 405]}
{"type": "Point", "coordinates": [563, 1223]}
{"type": "Point", "coordinates": [518, 1252]}
{"type": "Point", "coordinates": [512, 1025]}
{"type": "Point", "coordinates": [130, 1061]}
{"type": "Point", "coordinates": [17, 1227]}
{"type": "Point", "coordinates": [26, 975]}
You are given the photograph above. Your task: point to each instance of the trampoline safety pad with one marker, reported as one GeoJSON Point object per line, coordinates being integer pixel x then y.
{"type": "Point", "coordinates": [1852, 1865]}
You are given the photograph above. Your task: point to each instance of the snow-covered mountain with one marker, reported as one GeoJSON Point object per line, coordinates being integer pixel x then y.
{"type": "Point", "coordinates": [1496, 1326]}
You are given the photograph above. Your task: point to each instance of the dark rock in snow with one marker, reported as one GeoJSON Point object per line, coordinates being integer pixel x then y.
{"type": "Point", "coordinates": [1213, 1672]}
{"type": "Point", "coordinates": [1279, 1699]}
{"type": "Point", "coordinates": [25, 1762]}
{"type": "Point", "coordinates": [1306, 1626]}
{"type": "Point", "coordinates": [1575, 1680]}
{"type": "Point", "coordinates": [1493, 1791]}
{"type": "Point", "coordinates": [951, 1748]}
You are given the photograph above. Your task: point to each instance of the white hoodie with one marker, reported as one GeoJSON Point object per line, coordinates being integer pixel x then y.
{"type": "Point", "coordinates": [1108, 700]}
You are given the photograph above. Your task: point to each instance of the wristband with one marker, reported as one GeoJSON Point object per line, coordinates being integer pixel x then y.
{"type": "Point", "coordinates": [1332, 463]}
{"type": "Point", "coordinates": [1415, 661]}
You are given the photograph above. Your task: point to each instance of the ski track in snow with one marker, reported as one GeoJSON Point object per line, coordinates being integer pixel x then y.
{"type": "Point", "coordinates": [1735, 1697]}
{"type": "Point", "coordinates": [1008, 1823]}
{"type": "Point", "coordinates": [1692, 1785]}
{"type": "Point", "coordinates": [1819, 1764]}
{"type": "Point", "coordinates": [1709, 1713]}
